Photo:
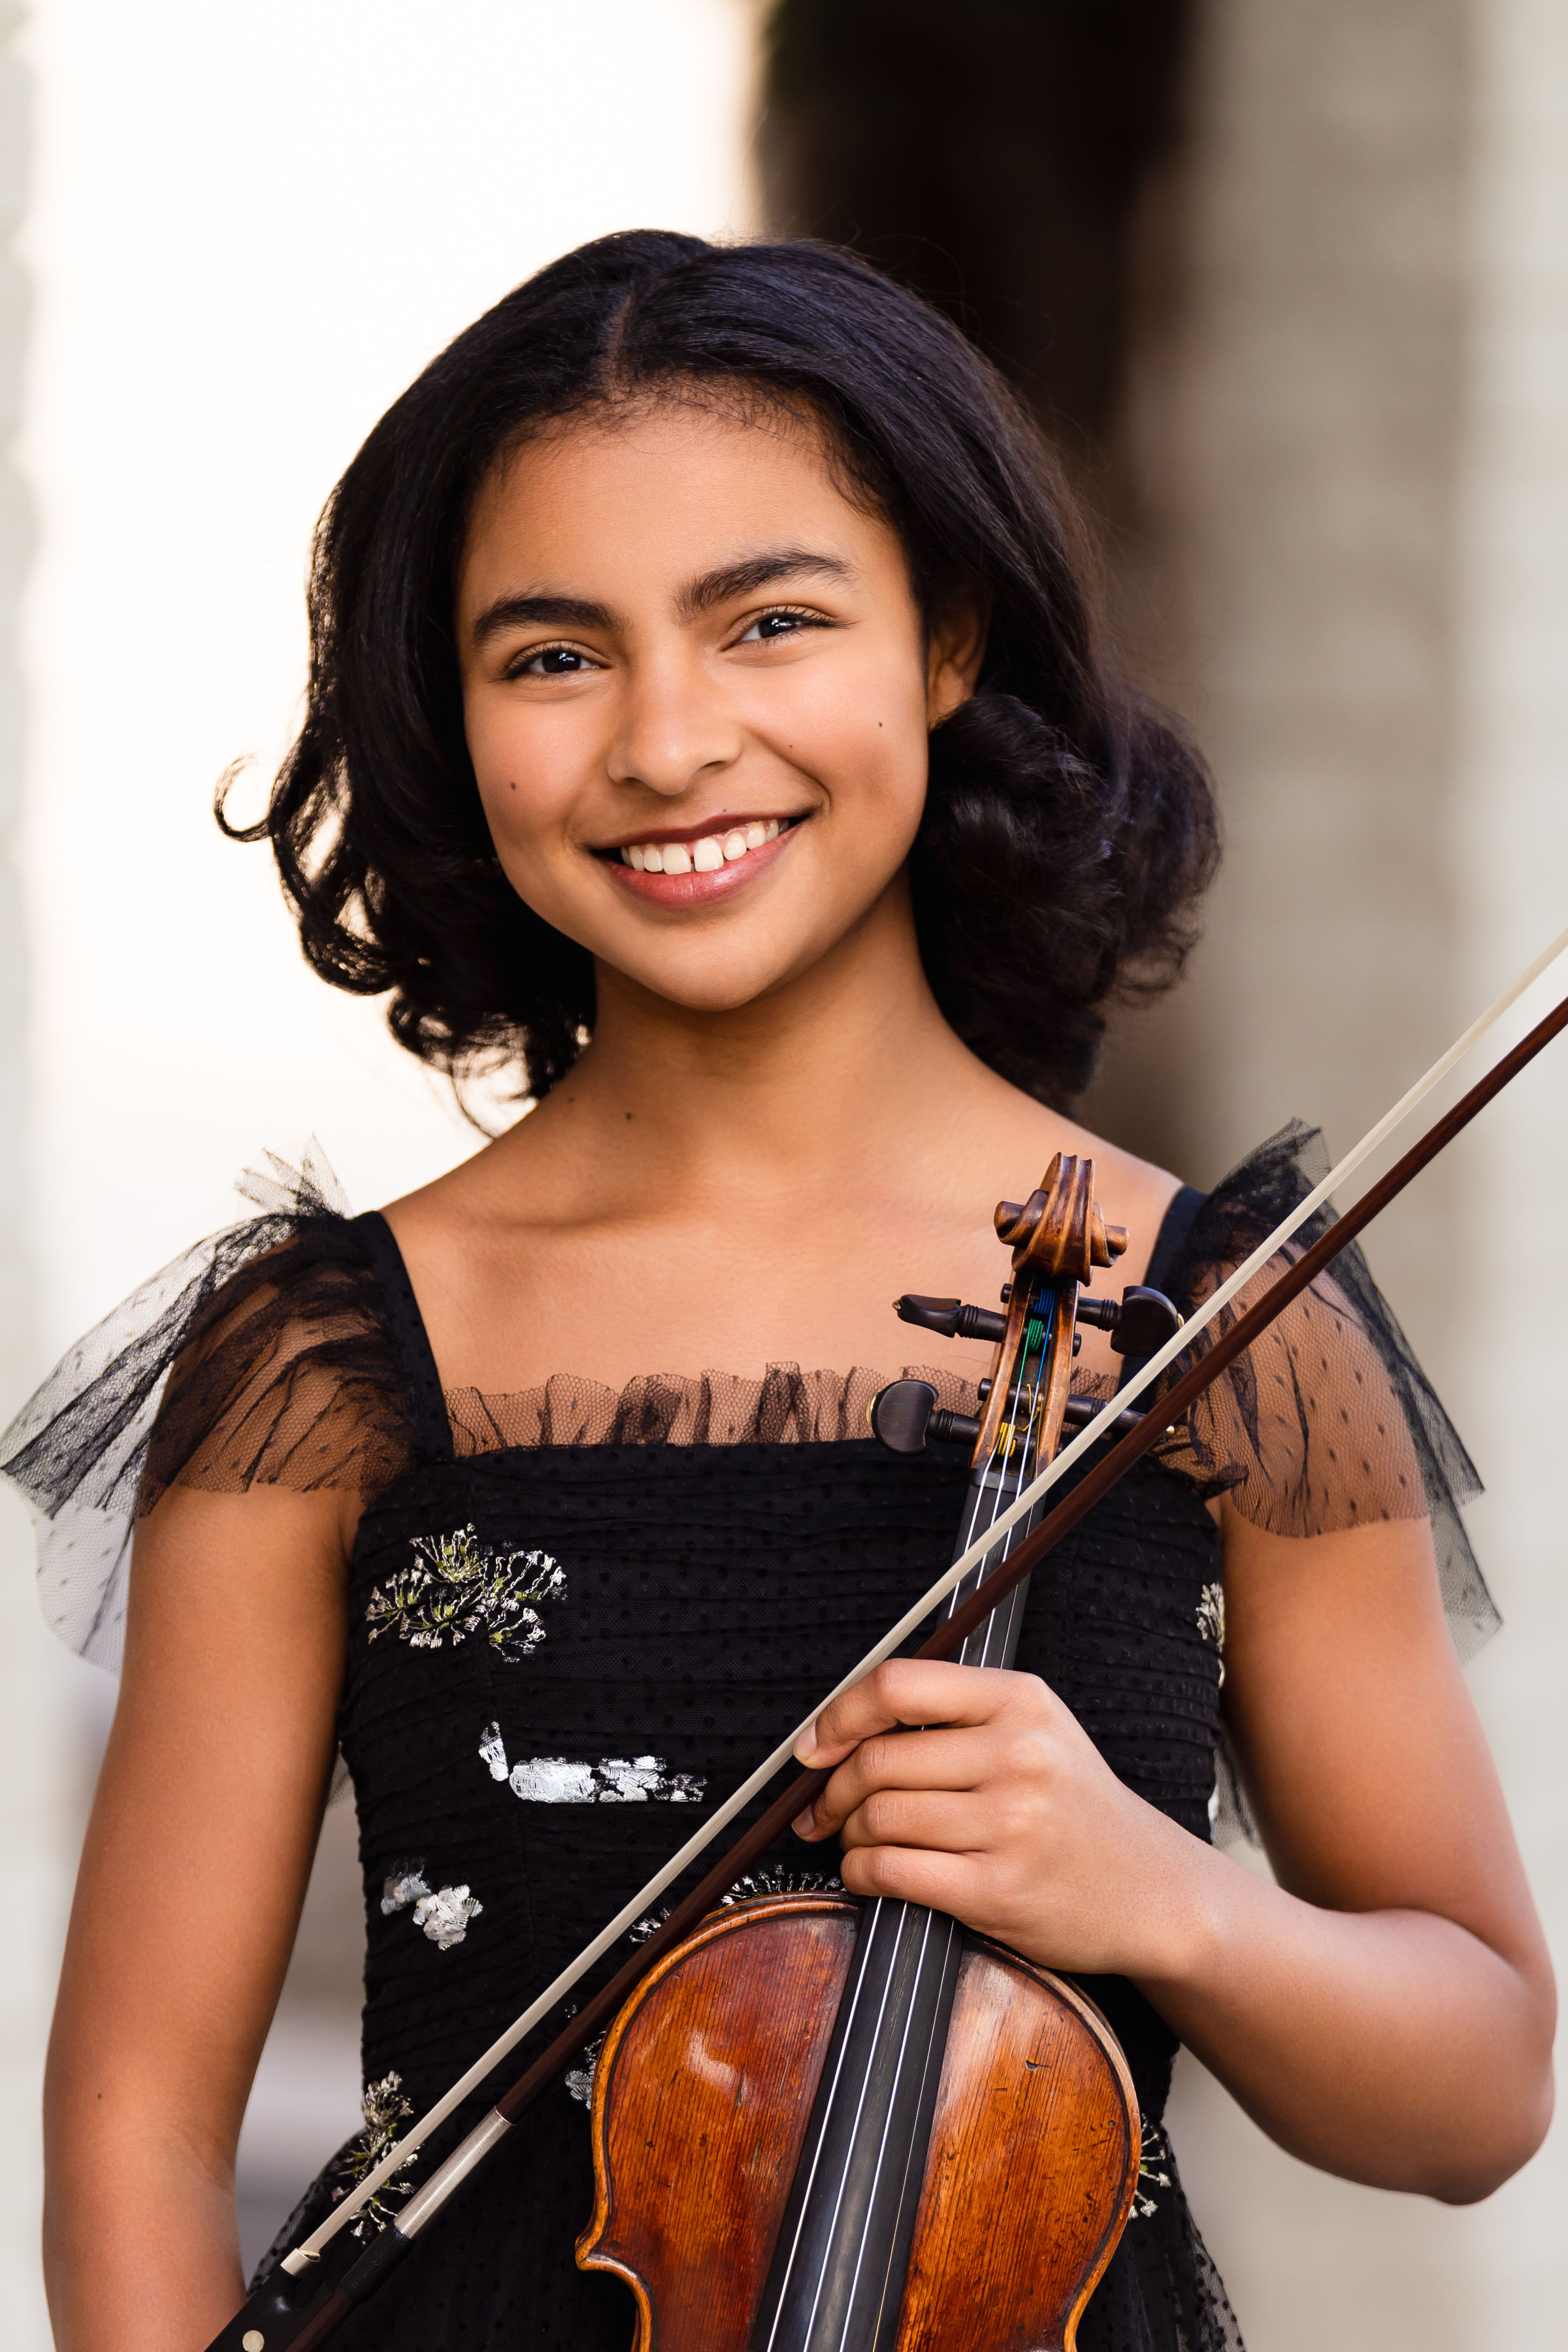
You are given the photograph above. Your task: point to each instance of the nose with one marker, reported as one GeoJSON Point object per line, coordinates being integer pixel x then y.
{"type": "Point", "coordinates": [674, 729]}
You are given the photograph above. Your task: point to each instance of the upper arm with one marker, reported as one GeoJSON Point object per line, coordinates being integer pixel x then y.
{"type": "Point", "coordinates": [208, 1810]}
{"type": "Point", "coordinates": [1361, 1749]}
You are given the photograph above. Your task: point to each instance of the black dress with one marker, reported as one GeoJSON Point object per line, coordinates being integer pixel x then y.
{"type": "Point", "coordinates": [577, 1620]}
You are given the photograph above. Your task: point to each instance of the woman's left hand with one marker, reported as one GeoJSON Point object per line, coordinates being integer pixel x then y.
{"type": "Point", "coordinates": [1006, 1817]}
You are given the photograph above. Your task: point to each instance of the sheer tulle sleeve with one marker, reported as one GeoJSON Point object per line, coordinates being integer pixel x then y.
{"type": "Point", "coordinates": [260, 1356]}
{"type": "Point", "coordinates": [1328, 1422]}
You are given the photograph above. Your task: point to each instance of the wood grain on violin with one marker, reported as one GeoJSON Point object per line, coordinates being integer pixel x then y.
{"type": "Point", "coordinates": [699, 2108]}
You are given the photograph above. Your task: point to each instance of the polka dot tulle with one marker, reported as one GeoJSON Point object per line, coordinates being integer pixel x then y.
{"type": "Point", "coordinates": [265, 1356]}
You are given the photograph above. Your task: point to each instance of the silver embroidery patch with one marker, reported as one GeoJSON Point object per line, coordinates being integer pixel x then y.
{"type": "Point", "coordinates": [402, 1887]}
{"type": "Point", "coordinates": [1153, 2154]}
{"type": "Point", "coordinates": [610, 1781]}
{"type": "Point", "coordinates": [580, 2080]}
{"type": "Point", "coordinates": [445, 1915]}
{"type": "Point", "coordinates": [443, 1912]}
{"type": "Point", "coordinates": [782, 1882]}
{"type": "Point", "coordinates": [384, 2108]}
{"type": "Point", "coordinates": [458, 1586]}
{"type": "Point", "coordinates": [1211, 1620]}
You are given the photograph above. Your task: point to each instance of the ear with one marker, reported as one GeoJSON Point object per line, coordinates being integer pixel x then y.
{"type": "Point", "coordinates": [954, 657]}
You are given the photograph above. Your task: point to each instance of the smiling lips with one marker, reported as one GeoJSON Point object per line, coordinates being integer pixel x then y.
{"type": "Point", "coordinates": [691, 873]}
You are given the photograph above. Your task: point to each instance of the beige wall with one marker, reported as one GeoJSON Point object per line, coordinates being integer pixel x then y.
{"type": "Point", "coordinates": [1350, 430]}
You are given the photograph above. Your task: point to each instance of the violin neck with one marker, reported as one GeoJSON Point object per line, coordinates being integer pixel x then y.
{"type": "Point", "coordinates": [838, 2275]}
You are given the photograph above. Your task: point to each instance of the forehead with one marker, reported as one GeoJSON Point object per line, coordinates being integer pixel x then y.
{"type": "Point", "coordinates": [663, 487]}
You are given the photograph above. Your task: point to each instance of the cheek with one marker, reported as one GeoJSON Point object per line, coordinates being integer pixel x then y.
{"type": "Point", "coordinates": [526, 763]}
{"type": "Point", "coordinates": [860, 731]}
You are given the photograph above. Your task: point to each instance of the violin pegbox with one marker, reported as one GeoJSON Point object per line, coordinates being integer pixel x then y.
{"type": "Point", "coordinates": [1058, 1237]}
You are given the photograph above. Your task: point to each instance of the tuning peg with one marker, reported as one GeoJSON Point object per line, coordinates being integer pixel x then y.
{"type": "Point", "coordinates": [1103, 1313]}
{"type": "Point", "coordinates": [1146, 1321]}
{"type": "Point", "coordinates": [1139, 1321]}
{"type": "Point", "coordinates": [906, 1413]}
{"type": "Point", "coordinates": [1081, 1410]}
{"type": "Point", "coordinates": [951, 1316]}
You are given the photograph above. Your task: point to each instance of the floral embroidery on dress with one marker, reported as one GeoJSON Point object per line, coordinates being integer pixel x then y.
{"type": "Point", "coordinates": [1211, 1620]}
{"type": "Point", "coordinates": [384, 2107]}
{"type": "Point", "coordinates": [443, 1912]}
{"type": "Point", "coordinates": [458, 1586]}
{"type": "Point", "coordinates": [607, 1781]}
{"type": "Point", "coordinates": [1154, 2155]}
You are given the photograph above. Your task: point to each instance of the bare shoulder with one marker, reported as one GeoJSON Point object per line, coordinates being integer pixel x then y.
{"type": "Point", "coordinates": [1132, 1192]}
{"type": "Point", "coordinates": [516, 1179]}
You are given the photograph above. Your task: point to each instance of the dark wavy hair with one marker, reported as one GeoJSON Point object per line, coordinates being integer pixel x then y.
{"type": "Point", "coordinates": [1068, 828]}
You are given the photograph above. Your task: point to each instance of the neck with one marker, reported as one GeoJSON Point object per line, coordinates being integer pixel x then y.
{"type": "Point", "coordinates": [794, 1089]}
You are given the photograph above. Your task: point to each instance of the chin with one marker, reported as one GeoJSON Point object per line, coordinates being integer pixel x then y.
{"type": "Point", "coordinates": [710, 997]}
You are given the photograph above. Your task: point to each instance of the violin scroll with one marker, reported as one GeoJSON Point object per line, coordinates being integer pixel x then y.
{"type": "Point", "coordinates": [1059, 1233]}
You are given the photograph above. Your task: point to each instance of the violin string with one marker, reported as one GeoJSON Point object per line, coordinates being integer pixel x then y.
{"type": "Point", "coordinates": [1014, 1451]}
{"type": "Point", "coordinates": [398, 2155]}
{"type": "Point", "coordinates": [880, 1912]}
{"type": "Point", "coordinates": [1010, 1452]}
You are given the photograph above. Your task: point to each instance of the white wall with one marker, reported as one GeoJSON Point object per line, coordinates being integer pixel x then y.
{"type": "Point", "coordinates": [246, 230]}
{"type": "Point", "coordinates": [249, 228]}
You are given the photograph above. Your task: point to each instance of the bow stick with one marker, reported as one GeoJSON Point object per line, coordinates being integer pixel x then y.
{"type": "Point", "coordinates": [271, 2319]}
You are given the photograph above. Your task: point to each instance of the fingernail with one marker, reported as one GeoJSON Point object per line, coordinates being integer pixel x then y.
{"type": "Point", "coordinates": [806, 1746]}
{"type": "Point", "coordinates": [802, 1824]}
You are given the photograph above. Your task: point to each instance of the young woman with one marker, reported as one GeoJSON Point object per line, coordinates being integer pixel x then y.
{"type": "Point", "coordinates": [709, 720]}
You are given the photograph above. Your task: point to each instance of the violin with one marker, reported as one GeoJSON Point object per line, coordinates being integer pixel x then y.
{"type": "Point", "coordinates": [826, 2125]}
{"type": "Point", "coordinates": [320, 2283]}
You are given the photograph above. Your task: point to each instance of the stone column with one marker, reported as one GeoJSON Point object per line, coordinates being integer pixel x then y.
{"type": "Point", "coordinates": [1354, 449]}
{"type": "Point", "coordinates": [1510, 846]}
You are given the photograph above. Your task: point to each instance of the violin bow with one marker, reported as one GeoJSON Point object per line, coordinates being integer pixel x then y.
{"type": "Point", "coordinates": [296, 2310]}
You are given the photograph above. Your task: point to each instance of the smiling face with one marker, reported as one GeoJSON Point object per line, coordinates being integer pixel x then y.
{"type": "Point", "coordinates": [697, 692]}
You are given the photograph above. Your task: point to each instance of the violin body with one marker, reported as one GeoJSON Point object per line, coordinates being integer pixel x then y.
{"type": "Point", "coordinates": [700, 2103]}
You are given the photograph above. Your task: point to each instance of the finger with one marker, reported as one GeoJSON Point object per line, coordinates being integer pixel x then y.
{"type": "Point", "coordinates": [904, 1691]}
{"type": "Point", "coordinates": [903, 1759]}
{"type": "Point", "coordinates": [953, 1882]}
{"type": "Point", "coordinates": [935, 1822]}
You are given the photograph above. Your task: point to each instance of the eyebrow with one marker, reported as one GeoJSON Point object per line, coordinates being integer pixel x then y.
{"type": "Point", "coordinates": [551, 610]}
{"type": "Point", "coordinates": [757, 570]}
{"type": "Point", "coordinates": [547, 610]}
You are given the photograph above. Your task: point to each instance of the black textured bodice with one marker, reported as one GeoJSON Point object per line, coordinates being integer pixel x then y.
{"type": "Point", "coordinates": [521, 1764]}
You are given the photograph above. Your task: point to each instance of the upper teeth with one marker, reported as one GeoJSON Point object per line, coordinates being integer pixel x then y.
{"type": "Point", "coordinates": [704, 856]}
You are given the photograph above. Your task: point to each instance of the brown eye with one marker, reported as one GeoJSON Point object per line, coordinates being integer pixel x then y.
{"type": "Point", "coordinates": [771, 628]}
{"type": "Point", "coordinates": [550, 661]}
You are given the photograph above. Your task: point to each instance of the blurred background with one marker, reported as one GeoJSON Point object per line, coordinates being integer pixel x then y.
{"type": "Point", "coordinates": [1288, 279]}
